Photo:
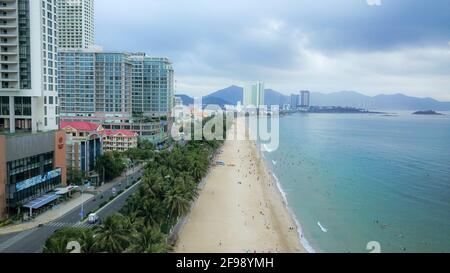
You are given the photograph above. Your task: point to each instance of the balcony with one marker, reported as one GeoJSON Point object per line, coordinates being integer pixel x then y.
{"type": "Point", "coordinates": [9, 70]}
{"type": "Point", "coordinates": [8, 6]}
{"type": "Point", "coordinates": [10, 52]}
{"type": "Point", "coordinates": [8, 58]}
{"type": "Point", "coordinates": [9, 86]}
{"type": "Point", "coordinates": [9, 34]}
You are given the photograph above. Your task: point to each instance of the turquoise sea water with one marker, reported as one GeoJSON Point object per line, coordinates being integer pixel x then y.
{"type": "Point", "coordinates": [367, 178]}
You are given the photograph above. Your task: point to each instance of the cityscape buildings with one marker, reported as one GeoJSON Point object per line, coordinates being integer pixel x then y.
{"type": "Point", "coordinates": [254, 94]}
{"type": "Point", "coordinates": [121, 91]}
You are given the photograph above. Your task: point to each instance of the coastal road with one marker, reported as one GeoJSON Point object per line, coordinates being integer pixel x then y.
{"type": "Point", "coordinates": [32, 241]}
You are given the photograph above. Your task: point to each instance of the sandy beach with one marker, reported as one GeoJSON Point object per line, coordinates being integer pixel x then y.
{"type": "Point", "coordinates": [239, 209]}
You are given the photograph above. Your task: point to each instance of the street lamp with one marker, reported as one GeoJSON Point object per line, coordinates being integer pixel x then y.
{"type": "Point", "coordinates": [85, 187]}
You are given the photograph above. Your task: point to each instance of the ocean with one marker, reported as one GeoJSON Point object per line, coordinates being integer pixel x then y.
{"type": "Point", "coordinates": [358, 179]}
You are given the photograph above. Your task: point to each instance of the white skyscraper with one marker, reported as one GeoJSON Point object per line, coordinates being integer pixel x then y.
{"type": "Point", "coordinates": [76, 24]}
{"type": "Point", "coordinates": [28, 76]}
{"type": "Point", "coordinates": [254, 94]}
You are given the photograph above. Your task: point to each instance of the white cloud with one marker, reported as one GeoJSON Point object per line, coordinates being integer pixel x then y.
{"type": "Point", "coordinates": [416, 71]}
{"type": "Point", "coordinates": [298, 44]}
{"type": "Point", "coordinates": [373, 2]}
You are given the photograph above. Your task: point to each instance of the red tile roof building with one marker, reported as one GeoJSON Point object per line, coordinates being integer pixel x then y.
{"type": "Point", "coordinates": [119, 140]}
{"type": "Point", "coordinates": [84, 144]}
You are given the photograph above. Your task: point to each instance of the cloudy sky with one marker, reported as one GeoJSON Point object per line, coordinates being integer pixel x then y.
{"type": "Point", "coordinates": [371, 46]}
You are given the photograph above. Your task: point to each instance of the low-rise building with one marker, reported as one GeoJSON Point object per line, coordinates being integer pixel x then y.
{"type": "Point", "coordinates": [31, 167]}
{"type": "Point", "coordinates": [119, 140]}
{"type": "Point", "coordinates": [84, 144]}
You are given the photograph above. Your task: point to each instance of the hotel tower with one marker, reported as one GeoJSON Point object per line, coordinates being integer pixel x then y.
{"type": "Point", "coordinates": [76, 21]}
{"type": "Point", "coordinates": [28, 76]}
{"type": "Point", "coordinates": [32, 150]}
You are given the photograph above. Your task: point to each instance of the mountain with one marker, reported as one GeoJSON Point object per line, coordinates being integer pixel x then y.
{"type": "Point", "coordinates": [205, 100]}
{"type": "Point", "coordinates": [402, 102]}
{"type": "Point", "coordinates": [380, 102]}
{"type": "Point", "coordinates": [233, 94]}
{"type": "Point", "coordinates": [273, 97]}
{"type": "Point", "coordinates": [185, 99]}
{"type": "Point", "coordinates": [215, 101]}
{"type": "Point", "coordinates": [343, 98]}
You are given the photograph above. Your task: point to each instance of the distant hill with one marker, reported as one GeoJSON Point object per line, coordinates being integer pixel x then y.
{"type": "Point", "coordinates": [230, 95]}
{"type": "Point", "coordinates": [380, 102]}
{"type": "Point", "coordinates": [205, 100]}
{"type": "Point", "coordinates": [273, 97]}
{"type": "Point", "coordinates": [185, 99]}
{"type": "Point", "coordinates": [233, 94]}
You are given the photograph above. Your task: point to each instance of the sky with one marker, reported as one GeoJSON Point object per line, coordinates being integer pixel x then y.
{"type": "Point", "coordinates": [370, 46]}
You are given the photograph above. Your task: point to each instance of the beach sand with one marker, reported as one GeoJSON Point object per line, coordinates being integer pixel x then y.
{"type": "Point", "coordinates": [239, 209]}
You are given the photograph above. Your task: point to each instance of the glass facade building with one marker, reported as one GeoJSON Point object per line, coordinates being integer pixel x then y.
{"type": "Point", "coordinates": [94, 82]}
{"type": "Point", "coordinates": [153, 86]}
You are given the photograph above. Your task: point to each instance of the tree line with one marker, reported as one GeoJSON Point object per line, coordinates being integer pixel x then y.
{"type": "Point", "coordinates": [168, 188]}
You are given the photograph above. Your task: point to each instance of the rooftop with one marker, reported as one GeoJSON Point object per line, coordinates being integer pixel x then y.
{"type": "Point", "coordinates": [81, 125]}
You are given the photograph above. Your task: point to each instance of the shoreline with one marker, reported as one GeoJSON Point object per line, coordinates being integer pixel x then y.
{"type": "Point", "coordinates": [283, 196]}
{"type": "Point", "coordinates": [240, 208]}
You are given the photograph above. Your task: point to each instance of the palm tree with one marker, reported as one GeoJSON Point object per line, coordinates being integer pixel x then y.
{"type": "Point", "coordinates": [56, 245]}
{"type": "Point", "coordinates": [177, 202]}
{"type": "Point", "coordinates": [59, 241]}
{"type": "Point", "coordinates": [197, 169]}
{"type": "Point", "coordinates": [113, 236]}
{"type": "Point", "coordinates": [152, 211]}
{"type": "Point", "coordinates": [153, 184]}
{"type": "Point", "coordinates": [149, 240]}
{"type": "Point", "coordinates": [87, 241]}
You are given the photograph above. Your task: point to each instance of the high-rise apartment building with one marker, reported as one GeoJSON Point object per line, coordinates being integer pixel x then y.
{"type": "Point", "coordinates": [153, 85]}
{"type": "Point", "coordinates": [254, 95]}
{"type": "Point", "coordinates": [305, 99]}
{"type": "Point", "coordinates": [95, 84]}
{"type": "Point", "coordinates": [28, 67]}
{"type": "Point", "coordinates": [295, 101]}
{"type": "Point", "coordinates": [76, 24]}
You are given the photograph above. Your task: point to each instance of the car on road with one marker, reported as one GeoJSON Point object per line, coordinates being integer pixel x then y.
{"type": "Point", "coordinates": [93, 218]}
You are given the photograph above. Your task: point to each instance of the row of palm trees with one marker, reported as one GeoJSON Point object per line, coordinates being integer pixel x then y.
{"type": "Point", "coordinates": [169, 186]}
{"type": "Point", "coordinates": [117, 234]}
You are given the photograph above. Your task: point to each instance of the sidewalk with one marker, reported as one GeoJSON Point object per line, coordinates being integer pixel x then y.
{"type": "Point", "coordinates": [47, 216]}
{"type": "Point", "coordinates": [66, 207]}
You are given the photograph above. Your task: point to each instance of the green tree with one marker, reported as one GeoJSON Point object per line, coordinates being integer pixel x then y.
{"type": "Point", "coordinates": [60, 239]}
{"type": "Point", "coordinates": [149, 240]}
{"type": "Point", "coordinates": [177, 201]}
{"type": "Point", "coordinates": [113, 236]}
{"type": "Point", "coordinates": [75, 176]}
{"type": "Point", "coordinates": [111, 164]}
